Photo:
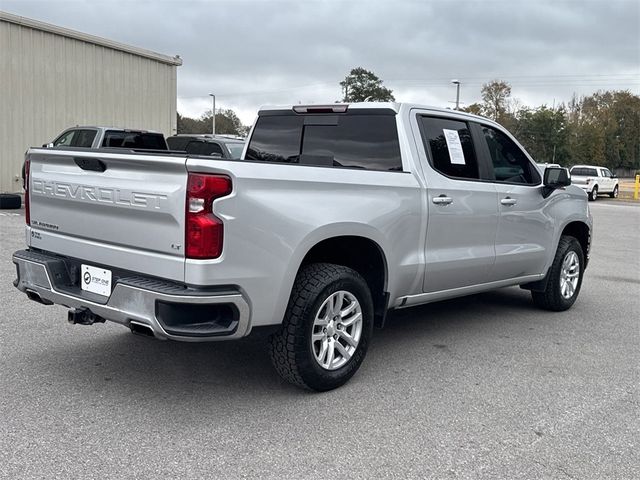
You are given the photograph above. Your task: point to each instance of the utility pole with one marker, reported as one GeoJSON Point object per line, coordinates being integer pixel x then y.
{"type": "Point", "coordinates": [213, 114]}
{"type": "Point", "coordinates": [457, 84]}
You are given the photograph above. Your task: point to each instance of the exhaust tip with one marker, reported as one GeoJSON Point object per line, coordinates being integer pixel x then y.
{"type": "Point", "coordinates": [37, 298]}
{"type": "Point", "coordinates": [141, 329]}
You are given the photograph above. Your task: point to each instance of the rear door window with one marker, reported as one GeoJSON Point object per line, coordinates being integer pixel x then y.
{"type": "Point", "coordinates": [353, 141]}
{"type": "Point", "coordinates": [449, 147]}
{"type": "Point", "coordinates": [84, 138]}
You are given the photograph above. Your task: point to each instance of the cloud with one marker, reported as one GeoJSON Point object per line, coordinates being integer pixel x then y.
{"type": "Point", "coordinates": [251, 53]}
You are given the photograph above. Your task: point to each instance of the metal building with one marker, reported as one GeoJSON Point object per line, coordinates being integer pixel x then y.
{"type": "Point", "coordinates": [52, 78]}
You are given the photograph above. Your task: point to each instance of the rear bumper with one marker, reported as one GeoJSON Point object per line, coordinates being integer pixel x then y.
{"type": "Point", "coordinates": [170, 310]}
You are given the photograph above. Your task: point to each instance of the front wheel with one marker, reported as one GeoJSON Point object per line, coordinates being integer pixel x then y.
{"type": "Point", "coordinates": [326, 329]}
{"type": "Point", "coordinates": [564, 277]}
{"type": "Point", "coordinates": [593, 196]}
{"type": "Point", "coordinates": [614, 194]}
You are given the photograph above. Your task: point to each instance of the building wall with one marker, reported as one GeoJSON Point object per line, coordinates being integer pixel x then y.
{"type": "Point", "coordinates": [49, 82]}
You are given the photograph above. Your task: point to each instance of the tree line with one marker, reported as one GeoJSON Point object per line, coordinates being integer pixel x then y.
{"type": "Point", "coordinates": [601, 129]}
{"type": "Point", "coordinates": [227, 123]}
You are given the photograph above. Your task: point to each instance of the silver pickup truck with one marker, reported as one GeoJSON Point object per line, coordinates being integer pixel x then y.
{"type": "Point", "coordinates": [334, 216]}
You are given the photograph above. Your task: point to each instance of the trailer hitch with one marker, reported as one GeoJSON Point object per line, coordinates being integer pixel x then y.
{"type": "Point", "coordinates": [83, 316]}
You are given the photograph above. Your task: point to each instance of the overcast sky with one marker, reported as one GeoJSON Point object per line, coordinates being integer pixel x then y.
{"type": "Point", "coordinates": [251, 53]}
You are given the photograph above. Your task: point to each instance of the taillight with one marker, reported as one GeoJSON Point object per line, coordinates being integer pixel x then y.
{"type": "Point", "coordinates": [27, 210]}
{"type": "Point", "coordinates": [204, 231]}
{"type": "Point", "coordinates": [588, 180]}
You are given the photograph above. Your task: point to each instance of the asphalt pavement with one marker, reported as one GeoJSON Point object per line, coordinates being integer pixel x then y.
{"type": "Point", "coordinates": [481, 387]}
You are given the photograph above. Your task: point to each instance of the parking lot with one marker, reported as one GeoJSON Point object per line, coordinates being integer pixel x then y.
{"type": "Point", "coordinates": [481, 387]}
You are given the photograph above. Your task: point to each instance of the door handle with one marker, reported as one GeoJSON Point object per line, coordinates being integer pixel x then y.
{"type": "Point", "coordinates": [508, 201]}
{"type": "Point", "coordinates": [442, 200]}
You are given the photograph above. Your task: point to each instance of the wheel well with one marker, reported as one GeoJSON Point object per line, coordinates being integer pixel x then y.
{"type": "Point", "coordinates": [579, 231]}
{"type": "Point", "coordinates": [362, 255]}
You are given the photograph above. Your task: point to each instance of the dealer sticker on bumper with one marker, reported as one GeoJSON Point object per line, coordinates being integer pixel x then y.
{"type": "Point", "coordinates": [96, 280]}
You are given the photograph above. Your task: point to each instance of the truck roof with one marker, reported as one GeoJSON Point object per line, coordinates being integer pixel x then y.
{"type": "Point", "coordinates": [120, 129]}
{"type": "Point", "coordinates": [395, 106]}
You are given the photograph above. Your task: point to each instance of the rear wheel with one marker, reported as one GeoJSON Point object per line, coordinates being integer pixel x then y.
{"type": "Point", "coordinates": [593, 196]}
{"type": "Point", "coordinates": [326, 330]}
{"type": "Point", "coordinates": [614, 194]}
{"type": "Point", "coordinates": [564, 277]}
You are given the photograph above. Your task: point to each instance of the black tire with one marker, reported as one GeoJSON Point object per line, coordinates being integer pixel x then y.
{"type": "Point", "coordinates": [552, 298]}
{"type": "Point", "coordinates": [291, 348]}
{"type": "Point", "coordinates": [614, 194]}
{"type": "Point", "coordinates": [10, 201]}
{"type": "Point", "coordinates": [593, 196]}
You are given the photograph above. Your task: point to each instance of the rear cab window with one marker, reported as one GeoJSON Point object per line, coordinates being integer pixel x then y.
{"type": "Point", "coordinates": [351, 140]}
{"type": "Point", "coordinates": [196, 147]}
{"type": "Point", "coordinates": [132, 139]}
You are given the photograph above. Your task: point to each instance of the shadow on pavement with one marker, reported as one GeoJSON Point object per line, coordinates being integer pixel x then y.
{"type": "Point", "coordinates": [134, 367]}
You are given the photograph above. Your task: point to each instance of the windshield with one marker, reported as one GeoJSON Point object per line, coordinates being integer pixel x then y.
{"type": "Point", "coordinates": [235, 149]}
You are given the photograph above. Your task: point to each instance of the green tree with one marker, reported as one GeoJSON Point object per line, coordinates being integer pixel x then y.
{"type": "Point", "coordinates": [544, 133]}
{"type": "Point", "coordinates": [364, 86]}
{"type": "Point", "coordinates": [495, 100]}
{"type": "Point", "coordinates": [605, 129]}
{"type": "Point", "coordinates": [474, 108]}
{"type": "Point", "coordinates": [227, 123]}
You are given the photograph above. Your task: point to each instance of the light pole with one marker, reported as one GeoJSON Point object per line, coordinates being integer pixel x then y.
{"type": "Point", "coordinates": [213, 116]}
{"type": "Point", "coordinates": [457, 84]}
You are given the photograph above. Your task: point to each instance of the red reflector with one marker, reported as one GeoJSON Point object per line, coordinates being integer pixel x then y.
{"type": "Point", "coordinates": [27, 209]}
{"type": "Point", "coordinates": [204, 231]}
{"type": "Point", "coordinates": [204, 236]}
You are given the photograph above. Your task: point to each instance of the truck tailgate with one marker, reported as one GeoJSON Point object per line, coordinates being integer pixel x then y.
{"type": "Point", "coordinates": [123, 210]}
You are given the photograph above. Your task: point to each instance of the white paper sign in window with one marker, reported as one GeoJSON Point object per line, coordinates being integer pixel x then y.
{"type": "Point", "coordinates": [455, 147]}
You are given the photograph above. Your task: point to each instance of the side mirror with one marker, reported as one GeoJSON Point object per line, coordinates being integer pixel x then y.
{"type": "Point", "coordinates": [554, 178]}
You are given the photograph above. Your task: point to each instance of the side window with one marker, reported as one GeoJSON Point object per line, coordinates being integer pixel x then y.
{"type": "Point", "coordinates": [204, 148]}
{"type": "Point", "coordinates": [113, 139]}
{"type": "Point", "coordinates": [450, 147]}
{"type": "Point", "coordinates": [83, 138]}
{"type": "Point", "coordinates": [276, 139]}
{"type": "Point", "coordinates": [606, 173]}
{"type": "Point", "coordinates": [510, 164]}
{"type": "Point", "coordinates": [65, 139]}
